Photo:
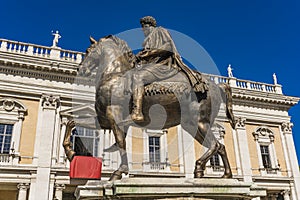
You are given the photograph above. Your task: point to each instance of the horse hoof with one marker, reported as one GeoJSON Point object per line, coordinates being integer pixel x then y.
{"type": "Point", "coordinates": [227, 175]}
{"type": "Point", "coordinates": [198, 174]}
{"type": "Point", "coordinates": [116, 176]}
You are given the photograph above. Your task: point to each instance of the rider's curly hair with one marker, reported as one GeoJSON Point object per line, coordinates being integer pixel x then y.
{"type": "Point", "coordinates": [148, 20]}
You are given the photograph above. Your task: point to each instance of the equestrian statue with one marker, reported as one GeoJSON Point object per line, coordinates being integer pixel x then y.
{"type": "Point", "coordinates": [129, 86]}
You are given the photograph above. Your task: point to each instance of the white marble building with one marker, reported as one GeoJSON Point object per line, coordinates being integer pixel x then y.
{"type": "Point", "coordinates": [39, 92]}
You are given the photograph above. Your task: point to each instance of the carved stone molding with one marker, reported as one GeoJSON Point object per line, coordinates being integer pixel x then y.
{"type": "Point", "coordinates": [50, 102]}
{"type": "Point", "coordinates": [240, 122]}
{"type": "Point", "coordinates": [286, 127]}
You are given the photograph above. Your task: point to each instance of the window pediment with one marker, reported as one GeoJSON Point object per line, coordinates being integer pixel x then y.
{"type": "Point", "coordinates": [263, 134]}
{"type": "Point", "coordinates": [9, 105]}
{"type": "Point", "coordinates": [83, 115]}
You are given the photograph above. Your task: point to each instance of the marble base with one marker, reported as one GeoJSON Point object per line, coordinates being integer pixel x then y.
{"type": "Point", "coordinates": [171, 188]}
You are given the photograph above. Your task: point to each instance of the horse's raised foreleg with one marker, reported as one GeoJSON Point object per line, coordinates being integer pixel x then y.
{"type": "Point", "coordinates": [67, 143]}
{"type": "Point", "coordinates": [223, 154]}
{"type": "Point", "coordinates": [114, 114]}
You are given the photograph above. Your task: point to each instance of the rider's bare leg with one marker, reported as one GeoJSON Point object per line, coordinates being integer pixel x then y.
{"type": "Point", "coordinates": [140, 78]}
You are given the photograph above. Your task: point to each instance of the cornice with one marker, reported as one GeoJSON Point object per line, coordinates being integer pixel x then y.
{"type": "Point", "coordinates": [263, 100]}
{"type": "Point", "coordinates": [44, 61]}
{"type": "Point", "coordinates": [43, 72]}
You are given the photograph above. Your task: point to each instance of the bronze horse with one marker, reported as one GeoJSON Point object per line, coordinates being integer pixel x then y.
{"type": "Point", "coordinates": [178, 104]}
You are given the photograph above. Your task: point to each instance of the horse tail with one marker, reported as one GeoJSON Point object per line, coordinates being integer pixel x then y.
{"type": "Point", "coordinates": [227, 98]}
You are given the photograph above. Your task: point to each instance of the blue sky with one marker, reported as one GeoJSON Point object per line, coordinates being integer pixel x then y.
{"type": "Point", "coordinates": [256, 37]}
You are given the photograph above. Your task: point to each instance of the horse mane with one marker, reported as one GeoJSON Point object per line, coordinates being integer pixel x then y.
{"type": "Point", "coordinates": [121, 43]}
{"type": "Point", "coordinates": [124, 48]}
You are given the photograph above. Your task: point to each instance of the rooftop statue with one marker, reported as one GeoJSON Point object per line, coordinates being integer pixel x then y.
{"type": "Point", "coordinates": [275, 79]}
{"type": "Point", "coordinates": [229, 70]}
{"type": "Point", "coordinates": [155, 76]}
{"type": "Point", "coordinates": [57, 36]}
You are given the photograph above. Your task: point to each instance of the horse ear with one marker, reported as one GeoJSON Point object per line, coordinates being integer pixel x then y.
{"type": "Point", "coordinates": [92, 40]}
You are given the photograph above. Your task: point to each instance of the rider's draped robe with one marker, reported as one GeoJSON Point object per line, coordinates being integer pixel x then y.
{"type": "Point", "coordinates": [163, 60]}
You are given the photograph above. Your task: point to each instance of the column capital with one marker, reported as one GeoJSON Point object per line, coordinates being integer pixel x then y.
{"type": "Point", "coordinates": [240, 122]}
{"type": "Point", "coordinates": [59, 186]}
{"type": "Point", "coordinates": [286, 127]}
{"type": "Point", "coordinates": [286, 194]}
{"type": "Point", "coordinates": [23, 186]}
{"type": "Point", "coordinates": [64, 120]}
{"type": "Point", "coordinates": [50, 101]}
{"type": "Point", "coordinates": [255, 135]}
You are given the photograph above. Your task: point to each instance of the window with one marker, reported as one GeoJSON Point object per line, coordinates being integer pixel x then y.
{"type": "Point", "coordinates": [265, 156]}
{"type": "Point", "coordinates": [85, 141]}
{"type": "Point", "coordinates": [154, 149]}
{"type": "Point", "coordinates": [215, 162]}
{"type": "Point", "coordinates": [6, 131]}
{"type": "Point", "coordinates": [12, 114]}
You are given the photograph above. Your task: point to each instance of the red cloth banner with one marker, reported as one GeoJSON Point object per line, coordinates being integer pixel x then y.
{"type": "Point", "coordinates": [86, 167]}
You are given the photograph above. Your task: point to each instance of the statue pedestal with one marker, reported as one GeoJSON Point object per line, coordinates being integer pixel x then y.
{"type": "Point", "coordinates": [155, 188]}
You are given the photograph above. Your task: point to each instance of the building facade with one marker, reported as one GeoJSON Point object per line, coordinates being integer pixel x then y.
{"type": "Point", "coordinates": [40, 91]}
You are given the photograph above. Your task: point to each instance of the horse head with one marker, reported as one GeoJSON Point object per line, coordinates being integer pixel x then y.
{"type": "Point", "coordinates": [91, 56]}
{"type": "Point", "coordinates": [108, 55]}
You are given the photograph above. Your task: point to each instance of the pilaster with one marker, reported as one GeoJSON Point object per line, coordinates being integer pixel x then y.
{"type": "Point", "coordinates": [44, 145]}
{"type": "Point", "coordinates": [180, 149]}
{"type": "Point", "coordinates": [59, 191]}
{"type": "Point", "coordinates": [22, 187]}
{"type": "Point", "coordinates": [243, 147]}
{"type": "Point", "coordinates": [57, 144]}
{"type": "Point", "coordinates": [286, 194]}
{"type": "Point", "coordinates": [286, 128]}
{"type": "Point", "coordinates": [128, 146]}
{"type": "Point", "coordinates": [188, 153]}
{"type": "Point", "coordinates": [61, 157]}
